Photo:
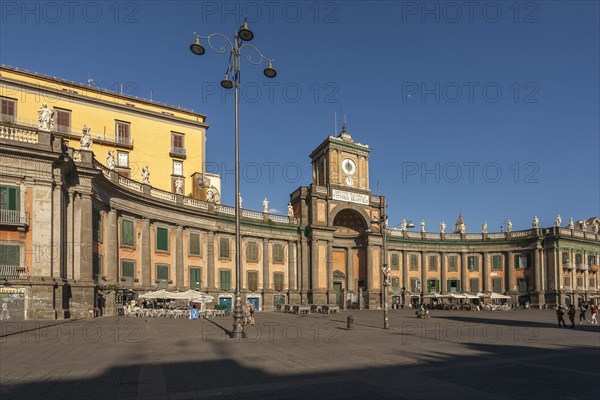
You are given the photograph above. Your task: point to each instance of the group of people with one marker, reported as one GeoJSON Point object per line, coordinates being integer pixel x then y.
{"type": "Point", "coordinates": [422, 312]}
{"type": "Point", "coordinates": [560, 312]}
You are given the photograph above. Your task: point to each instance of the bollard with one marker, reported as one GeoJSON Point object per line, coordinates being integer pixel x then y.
{"type": "Point", "coordinates": [349, 322]}
{"type": "Point", "coordinates": [90, 313]}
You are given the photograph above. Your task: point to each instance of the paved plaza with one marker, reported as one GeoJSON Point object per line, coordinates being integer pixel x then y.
{"type": "Point", "coordinates": [471, 355]}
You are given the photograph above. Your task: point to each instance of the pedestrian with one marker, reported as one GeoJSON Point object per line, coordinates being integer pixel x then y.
{"type": "Point", "coordinates": [571, 314]}
{"type": "Point", "coordinates": [560, 312]}
{"type": "Point", "coordinates": [582, 311]}
{"type": "Point", "coordinates": [251, 309]}
{"type": "Point", "coordinates": [594, 311]}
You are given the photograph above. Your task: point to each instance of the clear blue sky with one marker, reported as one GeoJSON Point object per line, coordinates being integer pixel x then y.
{"type": "Point", "coordinates": [492, 109]}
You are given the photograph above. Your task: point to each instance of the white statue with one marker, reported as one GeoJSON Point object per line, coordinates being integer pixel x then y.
{"type": "Point", "coordinates": [240, 199]}
{"type": "Point", "coordinates": [536, 222]}
{"type": "Point", "coordinates": [571, 224]}
{"type": "Point", "coordinates": [583, 225]}
{"type": "Point", "coordinates": [110, 160]}
{"type": "Point", "coordinates": [403, 226]}
{"type": "Point", "coordinates": [422, 225]}
{"type": "Point", "coordinates": [463, 228]}
{"type": "Point", "coordinates": [290, 210]}
{"type": "Point", "coordinates": [266, 206]}
{"type": "Point", "coordinates": [509, 226]}
{"type": "Point", "coordinates": [484, 227]}
{"type": "Point", "coordinates": [210, 195]}
{"type": "Point", "coordinates": [442, 227]}
{"type": "Point", "coordinates": [86, 140]}
{"type": "Point", "coordinates": [146, 175]}
{"type": "Point", "coordinates": [595, 227]}
{"type": "Point", "coordinates": [558, 222]}
{"type": "Point", "coordinates": [45, 118]}
{"type": "Point", "coordinates": [179, 186]}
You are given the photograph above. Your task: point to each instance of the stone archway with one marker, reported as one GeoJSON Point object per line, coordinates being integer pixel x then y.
{"type": "Point", "coordinates": [349, 221]}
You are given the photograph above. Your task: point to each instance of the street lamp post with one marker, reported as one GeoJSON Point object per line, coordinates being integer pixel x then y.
{"type": "Point", "coordinates": [243, 35]}
{"type": "Point", "coordinates": [385, 271]}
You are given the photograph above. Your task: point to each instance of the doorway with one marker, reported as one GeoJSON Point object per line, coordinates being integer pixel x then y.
{"type": "Point", "coordinates": [337, 288]}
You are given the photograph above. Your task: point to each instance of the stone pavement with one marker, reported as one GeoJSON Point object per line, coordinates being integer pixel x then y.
{"type": "Point", "coordinates": [484, 355]}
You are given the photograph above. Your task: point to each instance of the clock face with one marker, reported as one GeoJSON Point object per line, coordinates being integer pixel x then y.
{"type": "Point", "coordinates": [349, 181]}
{"type": "Point", "coordinates": [348, 166]}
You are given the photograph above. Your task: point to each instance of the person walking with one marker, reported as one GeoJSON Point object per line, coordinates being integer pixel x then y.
{"type": "Point", "coordinates": [594, 311]}
{"type": "Point", "coordinates": [582, 311]}
{"type": "Point", "coordinates": [251, 309]}
{"type": "Point", "coordinates": [571, 314]}
{"type": "Point", "coordinates": [560, 312]}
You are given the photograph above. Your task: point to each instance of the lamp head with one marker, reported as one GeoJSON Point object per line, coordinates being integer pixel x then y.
{"type": "Point", "coordinates": [270, 71]}
{"type": "Point", "coordinates": [197, 48]}
{"type": "Point", "coordinates": [226, 83]}
{"type": "Point", "coordinates": [245, 33]}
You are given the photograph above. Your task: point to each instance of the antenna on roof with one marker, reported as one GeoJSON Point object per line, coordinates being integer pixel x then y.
{"type": "Point", "coordinates": [90, 80]}
{"type": "Point", "coordinates": [121, 88]}
{"type": "Point", "coordinates": [151, 92]}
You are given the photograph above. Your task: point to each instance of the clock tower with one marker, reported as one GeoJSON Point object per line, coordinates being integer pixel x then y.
{"type": "Point", "coordinates": [340, 251]}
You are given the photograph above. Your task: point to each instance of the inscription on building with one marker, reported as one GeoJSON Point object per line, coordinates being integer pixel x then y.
{"type": "Point", "coordinates": [342, 195]}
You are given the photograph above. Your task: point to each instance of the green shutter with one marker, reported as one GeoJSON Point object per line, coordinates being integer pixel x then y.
{"type": "Point", "coordinates": [127, 268]}
{"type": "Point", "coordinates": [225, 280]}
{"type": "Point", "coordinates": [162, 272]}
{"type": "Point", "coordinates": [10, 254]}
{"type": "Point", "coordinates": [224, 248]}
{"type": "Point", "coordinates": [162, 239]}
{"type": "Point", "coordinates": [9, 198]}
{"type": "Point", "coordinates": [195, 244]}
{"type": "Point", "coordinates": [458, 288]}
{"type": "Point", "coordinates": [127, 233]}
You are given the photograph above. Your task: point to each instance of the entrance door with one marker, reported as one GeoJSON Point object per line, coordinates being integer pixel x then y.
{"type": "Point", "coordinates": [254, 301]}
{"type": "Point", "coordinates": [225, 301]}
{"type": "Point", "coordinates": [195, 278]}
{"type": "Point", "coordinates": [337, 288]}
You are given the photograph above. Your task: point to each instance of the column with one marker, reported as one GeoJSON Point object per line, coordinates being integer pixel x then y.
{"type": "Point", "coordinates": [423, 272]}
{"type": "Point", "coordinates": [443, 278]}
{"type": "Point", "coordinates": [329, 266]}
{"type": "Point", "coordinates": [210, 260]}
{"type": "Point", "coordinates": [58, 232]}
{"type": "Point", "coordinates": [405, 281]}
{"type": "Point", "coordinates": [179, 257]}
{"type": "Point", "coordinates": [485, 285]}
{"type": "Point", "coordinates": [77, 243]}
{"type": "Point", "coordinates": [112, 246]}
{"type": "Point", "coordinates": [314, 265]}
{"type": "Point", "coordinates": [370, 283]}
{"type": "Point", "coordinates": [303, 278]}
{"type": "Point", "coordinates": [464, 283]}
{"type": "Point", "coordinates": [69, 242]}
{"type": "Point", "coordinates": [349, 269]}
{"type": "Point", "coordinates": [291, 265]}
{"type": "Point", "coordinates": [146, 266]}
{"type": "Point", "coordinates": [85, 238]}
{"type": "Point", "coordinates": [266, 265]}
{"type": "Point", "coordinates": [537, 283]}
{"type": "Point", "coordinates": [510, 273]}
{"type": "Point", "coordinates": [586, 272]}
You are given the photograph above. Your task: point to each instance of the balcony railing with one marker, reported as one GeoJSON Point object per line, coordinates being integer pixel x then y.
{"type": "Point", "coordinates": [14, 217]}
{"type": "Point", "coordinates": [581, 267]}
{"type": "Point", "coordinates": [568, 265]}
{"type": "Point", "coordinates": [13, 272]}
{"type": "Point", "coordinates": [178, 152]}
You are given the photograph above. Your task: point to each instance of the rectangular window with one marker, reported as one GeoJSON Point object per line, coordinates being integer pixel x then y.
{"type": "Point", "coordinates": [496, 262]}
{"type": "Point", "coordinates": [395, 261]}
{"type": "Point", "coordinates": [162, 273]}
{"type": "Point", "coordinates": [252, 277]}
{"type": "Point", "coordinates": [122, 159]}
{"type": "Point", "coordinates": [473, 263]}
{"type": "Point", "coordinates": [162, 239]}
{"type": "Point", "coordinates": [225, 279]}
{"type": "Point", "coordinates": [123, 133]}
{"type": "Point", "coordinates": [415, 285]}
{"type": "Point", "coordinates": [8, 110]}
{"type": "Point", "coordinates": [96, 225]}
{"type": "Point", "coordinates": [592, 283]}
{"type": "Point", "coordinates": [452, 263]}
{"type": "Point", "coordinates": [177, 144]}
{"type": "Point", "coordinates": [9, 198]}
{"type": "Point", "coordinates": [96, 264]}
{"type": "Point", "coordinates": [591, 260]}
{"type": "Point", "coordinates": [454, 286]}
{"type": "Point", "coordinates": [497, 285]}
{"type": "Point", "coordinates": [578, 259]}
{"type": "Point", "coordinates": [277, 253]}
{"type": "Point", "coordinates": [195, 278]}
{"type": "Point", "coordinates": [565, 257]}
{"type": "Point", "coordinates": [178, 168]}
{"type": "Point", "coordinates": [567, 281]}
{"type": "Point", "coordinates": [414, 262]}
{"type": "Point", "coordinates": [63, 120]}
{"type": "Point", "coordinates": [224, 248]}
{"type": "Point", "coordinates": [521, 261]}
{"type": "Point", "coordinates": [278, 281]}
{"type": "Point", "coordinates": [474, 285]}
{"type": "Point", "coordinates": [395, 284]}
{"type": "Point", "coordinates": [579, 282]}
{"type": "Point", "coordinates": [251, 251]}
{"type": "Point", "coordinates": [127, 233]}
{"type": "Point", "coordinates": [433, 285]}
{"type": "Point", "coordinates": [10, 254]}
{"type": "Point", "coordinates": [127, 268]}
{"type": "Point", "coordinates": [195, 247]}
{"type": "Point", "coordinates": [522, 285]}
{"type": "Point", "coordinates": [433, 263]}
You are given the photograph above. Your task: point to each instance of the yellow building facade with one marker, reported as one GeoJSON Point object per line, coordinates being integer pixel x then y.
{"type": "Point", "coordinates": [170, 141]}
